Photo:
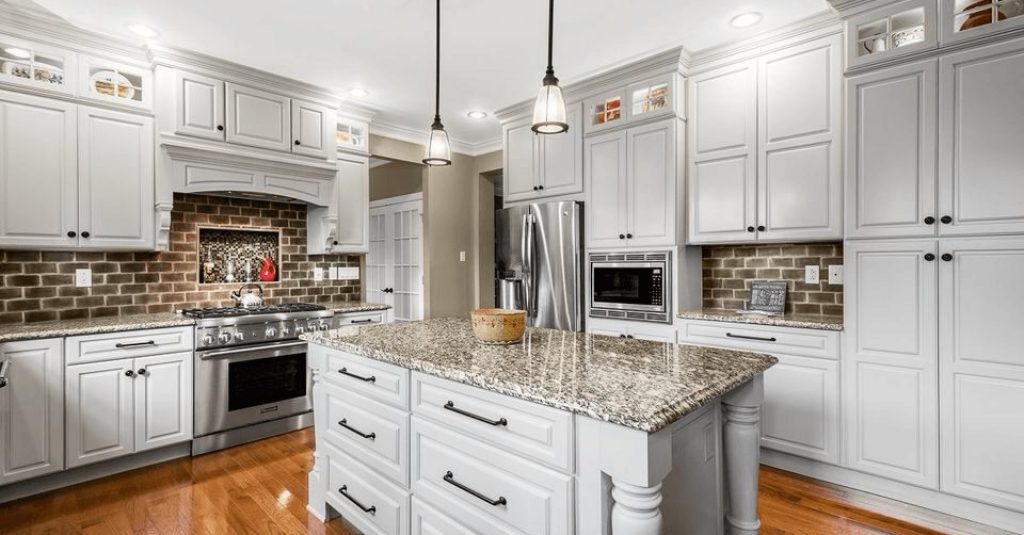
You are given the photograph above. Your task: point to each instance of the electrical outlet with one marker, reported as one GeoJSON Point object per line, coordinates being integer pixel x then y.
{"type": "Point", "coordinates": [835, 274]}
{"type": "Point", "coordinates": [462, 256]}
{"type": "Point", "coordinates": [83, 278]}
{"type": "Point", "coordinates": [318, 274]}
{"type": "Point", "coordinates": [811, 274]}
{"type": "Point", "coordinates": [348, 273]}
{"type": "Point", "coordinates": [333, 273]}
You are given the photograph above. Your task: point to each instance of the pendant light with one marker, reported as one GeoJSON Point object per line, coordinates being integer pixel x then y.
{"type": "Point", "coordinates": [549, 111]}
{"type": "Point", "coordinates": [439, 150]}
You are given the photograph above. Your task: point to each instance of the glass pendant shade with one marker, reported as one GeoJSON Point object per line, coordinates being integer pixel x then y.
{"type": "Point", "coordinates": [549, 110]}
{"type": "Point", "coordinates": [439, 150]}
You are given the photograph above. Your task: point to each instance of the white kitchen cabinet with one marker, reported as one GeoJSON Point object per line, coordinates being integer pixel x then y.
{"type": "Point", "coordinates": [521, 153]}
{"type": "Point", "coordinates": [100, 419]}
{"type": "Point", "coordinates": [257, 118]}
{"type": "Point", "coordinates": [982, 369]}
{"type": "Point", "coordinates": [352, 192]}
{"type": "Point", "coordinates": [543, 165]}
{"type": "Point", "coordinates": [631, 186]}
{"type": "Point", "coordinates": [115, 180]}
{"type": "Point", "coordinates": [891, 31]}
{"type": "Point", "coordinates": [801, 408]}
{"type": "Point", "coordinates": [38, 172]}
{"type": "Point", "coordinates": [890, 140]}
{"type": "Point", "coordinates": [114, 82]}
{"type": "Point", "coordinates": [655, 332]}
{"type": "Point", "coordinates": [31, 409]}
{"type": "Point", "coordinates": [981, 125]}
{"type": "Point", "coordinates": [890, 373]}
{"type": "Point", "coordinates": [163, 400]}
{"type": "Point", "coordinates": [313, 130]}
{"type": "Point", "coordinates": [964, 20]}
{"type": "Point", "coordinates": [199, 105]}
{"type": "Point", "coordinates": [799, 160]}
{"type": "Point", "coordinates": [722, 154]}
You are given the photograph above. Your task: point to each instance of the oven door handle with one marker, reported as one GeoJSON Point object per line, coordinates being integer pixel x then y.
{"type": "Point", "coordinates": [248, 349]}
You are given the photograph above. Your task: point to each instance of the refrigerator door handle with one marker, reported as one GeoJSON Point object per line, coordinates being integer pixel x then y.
{"type": "Point", "coordinates": [527, 254]}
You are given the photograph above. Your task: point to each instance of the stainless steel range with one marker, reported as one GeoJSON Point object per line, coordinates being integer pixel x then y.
{"type": "Point", "coordinates": [251, 379]}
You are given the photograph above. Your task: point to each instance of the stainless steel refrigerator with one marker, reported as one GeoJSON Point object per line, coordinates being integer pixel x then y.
{"type": "Point", "coordinates": [539, 263]}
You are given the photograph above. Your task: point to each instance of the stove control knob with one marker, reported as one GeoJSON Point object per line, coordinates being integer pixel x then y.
{"type": "Point", "coordinates": [271, 332]}
{"type": "Point", "coordinates": [207, 340]}
{"type": "Point", "coordinates": [239, 336]}
{"type": "Point", "coordinates": [224, 338]}
{"type": "Point", "coordinates": [299, 329]}
{"type": "Point", "coordinates": [285, 331]}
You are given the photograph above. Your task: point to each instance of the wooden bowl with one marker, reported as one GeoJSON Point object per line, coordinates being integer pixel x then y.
{"type": "Point", "coordinates": [498, 325]}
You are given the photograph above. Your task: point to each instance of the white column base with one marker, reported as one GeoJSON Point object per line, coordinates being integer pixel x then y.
{"type": "Point", "coordinates": [636, 510]}
{"type": "Point", "coordinates": [741, 440]}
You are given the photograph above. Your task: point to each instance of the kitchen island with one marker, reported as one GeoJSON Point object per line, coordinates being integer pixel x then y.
{"type": "Point", "coordinates": [420, 426]}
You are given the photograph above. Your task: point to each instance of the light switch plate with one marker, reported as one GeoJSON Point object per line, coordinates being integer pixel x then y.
{"type": "Point", "coordinates": [835, 274]}
{"type": "Point", "coordinates": [348, 273]}
{"type": "Point", "coordinates": [462, 256]}
{"type": "Point", "coordinates": [318, 274]}
{"type": "Point", "coordinates": [83, 278]}
{"type": "Point", "coordinates": [811, 274]}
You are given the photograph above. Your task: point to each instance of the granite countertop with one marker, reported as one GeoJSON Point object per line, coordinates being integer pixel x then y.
{"type": "Point", "coordinates": [60, 329]}
{"type": "Point", "coordinates": [357, 306]}
{"type": "Point", "coordinates": [639, 384]}
{"type": "Point", "coordinates": [804, 321]}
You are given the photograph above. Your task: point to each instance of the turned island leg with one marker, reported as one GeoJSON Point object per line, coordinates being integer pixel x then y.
{"type": "Point", "coordinates": [741, 439]}
{"type": "Point", "coordinates": [636, 510]}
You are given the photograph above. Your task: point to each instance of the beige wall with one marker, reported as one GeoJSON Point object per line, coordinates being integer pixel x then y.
{"type": "Point", "coordinates": [487, 166]}
{"type": "Point", "coordinates": [396, 178]}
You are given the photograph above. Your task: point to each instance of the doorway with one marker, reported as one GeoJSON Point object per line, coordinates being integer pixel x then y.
{"type": "Point", "coordinates": [394, 263]}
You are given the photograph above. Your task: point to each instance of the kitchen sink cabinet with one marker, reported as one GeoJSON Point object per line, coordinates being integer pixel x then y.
{"type": "Point", "coordinates": [31, 409]}
{"type": "Point", "coordinates": [537, 166]}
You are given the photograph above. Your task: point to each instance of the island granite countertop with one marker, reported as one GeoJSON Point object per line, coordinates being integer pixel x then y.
{"type": "Point", "coordinates": [77, 327]}
{"type": "Point", "coordinates": [357, 306]}
{"type": "Point", "coordinates": [802, 321]}
{"type": "Point", "coordinates": [635, 383]}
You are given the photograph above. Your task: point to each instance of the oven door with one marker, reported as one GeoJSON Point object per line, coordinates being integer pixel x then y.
{"type": "Point", "coordinates": [628, 286]}
{"type": "Point", "coordinates": [242, 386]}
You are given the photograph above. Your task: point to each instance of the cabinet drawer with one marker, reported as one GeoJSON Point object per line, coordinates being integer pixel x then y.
{"type": "Point", "coordinates": [531, 430]}
{"type": "Point", "coordinates": [760, 338]}
{"type": "Point", "coordinates": [372, 504]}
{"type": "Point", "coordinates": [360, 318]}
{"type": "Point", "coordinates": [481, 486]}
{"type": "Point", "coordinates": [372, 432]}
{"type": "Point", "coordinates": [428, 520]}
{"type": "Point", "coordinates": [376, 380]}
{"type": "Point", "coordinates": [131, 344]}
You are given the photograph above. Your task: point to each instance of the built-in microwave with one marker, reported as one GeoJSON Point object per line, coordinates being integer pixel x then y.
{"type": "Point", "coordinates": [631, 286]}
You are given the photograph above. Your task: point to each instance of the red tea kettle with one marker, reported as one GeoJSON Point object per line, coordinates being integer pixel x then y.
{"type": "Point", "coordinates": [268, 271]}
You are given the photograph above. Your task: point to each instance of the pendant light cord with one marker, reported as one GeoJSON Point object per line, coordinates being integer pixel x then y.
{"type": "Point", "coordinates": [551, 33]}
{"type": "Point", "coordinates": [437, 68]}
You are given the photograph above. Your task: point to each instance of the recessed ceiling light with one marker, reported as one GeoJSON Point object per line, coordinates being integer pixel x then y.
{"type": "Point", "coordinates": [143, 31]}
{"type": "Point", "coordinates": [745, 20]}
{"type": "Point", "coordinates": [476, 114]}
{"type": "Point", "coordinates": [358, 92]}
{"type": "Point", "coordinates": [19, 53]}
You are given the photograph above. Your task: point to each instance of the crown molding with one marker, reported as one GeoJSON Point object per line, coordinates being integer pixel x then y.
{"type": "Point", "coordinates": [416, 137]}
{"type": "Point", "coordinates": [47, 28]}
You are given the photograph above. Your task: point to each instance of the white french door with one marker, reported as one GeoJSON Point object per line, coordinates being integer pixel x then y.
{"type": "Point", "coordinates": [394, 264]}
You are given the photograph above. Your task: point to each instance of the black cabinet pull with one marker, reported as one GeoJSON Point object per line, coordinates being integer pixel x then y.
{"type": "Point", "coordinates": [745, 337]}
{"type": "Point", "coordinates": [135, 344]}
{"type": "Point", "coordinates": [129, 373]}
{"type": "Point", "coordinates": [450, 479]}
{"type": "Point", "coordinates": [344, 492]}
{"type": "Point", "coordinates": [451, 406]}
{"type": "Point", "coordinates": [85, 234]}
{"type": "Point", "coordinates": [629, 236]}
{"type": "Point", "coordinates": [344, 423]}
{"type": "Point", "coordinates": [358, 322]}
{"type": "Point", "coordinates": [622, 236]}
{"type": "Point", "coordinates": [335, 242]}
{"type": "Point", "coordinates": [622, 336]}
{"type": "Point", "coordinates": [370, 379]}
{"type": "Point", "coordinates": [220, 128]}
{"type": "Point", "coordinates": [929, 220]}
{"type": "Point", "coordinates": [947, 257]}
{"type": "Point", "coordinates": [760, 228]}
{"type": "Point", "coordinates": [540, 186]}
{"type": "Point", "coordinates": [750, 229]}
{"type": "Point", "coordinates": [535, 188]}
{"type": "Point", "coordinates": [929, 257]}
{"type": "Point", "coordinates": [72, 234]}
{"type": "Point", "coordinates": [297, 142]}
{"type": "Point", "coordinates": [946, 219]}
{"type": "Point", "coordinates": [142, 372]}
{"type": "Point", "coordinates": [3, 372]}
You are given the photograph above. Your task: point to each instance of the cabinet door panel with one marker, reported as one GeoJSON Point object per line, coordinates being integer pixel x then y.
{"type": "Point", "coordinates": [796, 194]}
{"type": "Point", "coordinates": [561, 165]}
{"type": "Point", "coordinates": [258, 118]}
{"type": "Point", "coordinates": [605, 165]}
{"type": "Point", "coordinates": [890, 140]}
{"type": "Point", "coordinates": [353, 191]}
{"type": "Point", "coordinates": [982, 370]}
{"type": "Point", "coordinates": [200, 105]}
{"type": "Point", "coordinates": [163, 400]}
{"type": "Point", "coordinates": [100, 419]}
{"type": "Point", "coordinates": [38, 172]}
{"type": "Point", "coordinates": [312, 130]}
{"type": "Point", "coordinates": [720, 199]}
{"type": "Point", "coordinates": [31, 410]}
{"type": "Point", "coordinates": [651, 185]}
{"type": "Point", "coordinates": [723, 109]}
{"type": "Point", "coordinates": [116, 180]}
{"type": "Point", "coordinates": [981, 165]}
{"type": "Point", "coordinates": [521, 157]}
{"type": "Point", "coordinates": [801, 408]}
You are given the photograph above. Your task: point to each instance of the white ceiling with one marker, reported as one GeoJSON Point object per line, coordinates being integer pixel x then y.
{"type": "Point", "coordinates": [493, 51]}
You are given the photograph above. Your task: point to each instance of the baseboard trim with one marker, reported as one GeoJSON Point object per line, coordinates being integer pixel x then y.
{"type": "Point", "coordinates": [936, 503]}
{"type": "Point", "coordinates": [74, 476]}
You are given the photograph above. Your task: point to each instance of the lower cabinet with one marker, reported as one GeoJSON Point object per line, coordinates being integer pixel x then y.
{"type": "Point", "coordinates": [655, 332]}
{"type": "Point", "coordinates": [125, 406]}
{"type": "Point", "coordinates": [31, 409]}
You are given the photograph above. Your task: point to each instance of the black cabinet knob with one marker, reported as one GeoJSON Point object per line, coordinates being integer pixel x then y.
{"type": "Point", "coordinates": [540, 187]}
{"type": "Point", "coordinates": [335, 242]}
{"type": "Point", "coordinates": [535, 188]}
{"type": "Point", "coordinates": [622, 236]}
{"type": "Point", "coordinates": [220, 128]}
{"type": "Point", "coordinates": [929, 220]}
{"type": "Point", "coordinates": [622, 336]}
{"type": "Point", "coordinates": [929, 257]}
{"type": "Point", "coordinates": [947, 257]}
{"type": "Point", "coordinates": [629, 236]}
{"type": "Point", "coordinates": [85, 234]}
{"type": "Point", "coordinates": [297, 142]}
{"type": "Point", "coordinates": [129, 373]}
{"type": "Point", "coordinates": [142, 371]}
{"type": "Point", "coordinates": [750, 229]}
{"type": "Point", "coordinates": [72, 234]}
{"type": "Point", "coordinates": [946, 219]}
{"type": "Point", "coordinates": [760, 228]}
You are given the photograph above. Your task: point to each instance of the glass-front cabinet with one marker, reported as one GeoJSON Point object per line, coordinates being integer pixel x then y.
{"type": "Point", "coordinates": [353, 135]}
{"type": "Point", "coordinates": [894, 30]}
{"type": "Point", "coordinates": [113, 82]}
{"type": "Point", "coordinates": [639, 101]}
{"type": "Point", "coordinates": [34, 65]}
{"type": "Point", "coordinates": [605, 111]}
{"type": "Point", "coordinates": [650, 97]}
{"type": "Point", "coordinates": [969, 19]}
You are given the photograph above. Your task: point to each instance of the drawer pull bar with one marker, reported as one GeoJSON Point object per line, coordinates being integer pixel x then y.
{"type": "Point", "coordinates": [450, 479]}
{"type": "Point", "coordinates": [3, 372]}
{"type": "Point", "coordinates": [344, 423]}
{"type": "Point", "coordinates": [370, 379]}
{"type": "Point", "coordinates": [451, 406]}
{"type": "Point", "coordinates": [745, 337]}
{"type": "Point", "coordinates": [135, 344]}
{"type": "Point", "coordinates": [356, 322]}
{"type": "Point", "coordinates": [344, 492]}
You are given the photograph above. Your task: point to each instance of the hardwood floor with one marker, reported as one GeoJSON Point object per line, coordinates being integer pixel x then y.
{"type": "Point", "coordinates": [260, 488]}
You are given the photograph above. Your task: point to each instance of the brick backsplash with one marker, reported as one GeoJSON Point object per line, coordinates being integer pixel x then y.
{"type": "Point", "coordinates": [39, 285]}
{"type": "Point", "coordinates": [729, 270]}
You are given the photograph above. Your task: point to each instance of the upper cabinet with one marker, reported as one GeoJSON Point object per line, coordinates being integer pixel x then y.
{"type": "Point", "coordinates": [200, 105]}
{"type": "Point", "coordinates": [543, 165]}
{"type": "Point", "coordinates": [115, 83]}
{"type": "Point", "coordinates": [313, 127]}
{"type": "Point", "coordinates": [257, 118]}
{"type": "Point", "coordinates": [765, 160]}
{"type": "Point", "coordinates": [353, 194]}
{"type": "Point", "coordinates": [890, 31]}
{"type": "Point", "coordinates": [352, 135]}
{"type": "Point", "coordinates": [28, 64]}
{"type": "Point", "coordinates": [969, 19]}
{"type": "Point", "coordinates": [623, 106]}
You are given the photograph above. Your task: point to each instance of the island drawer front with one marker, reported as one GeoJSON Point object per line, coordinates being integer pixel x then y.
{"type": "Point", "coordinates": [365, 489]}
{"type": "Point", "coordinates": [360, 318]}
{"type": "Point", "coordinates": [541, 433]}
{"type": "Point", "coordinates": [762, 338]}
{"type": "Point", "coordinates": [128, 344]}
{"type": "Point", "coordinates": [478, 484]}
{"type": "Point", "coordinates": [430, 520]}
{"type": "Point", "coordinates": [351, 416]}
{"type": "Point", "coordinates": [374, 379]}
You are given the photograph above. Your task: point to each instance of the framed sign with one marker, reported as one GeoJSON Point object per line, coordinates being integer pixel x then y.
{"type": "Point", "coordinates": [769, 296]}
